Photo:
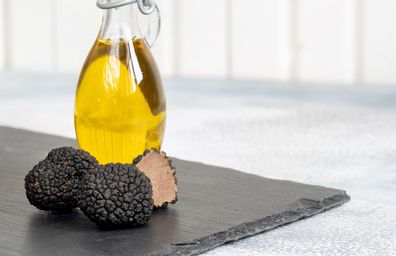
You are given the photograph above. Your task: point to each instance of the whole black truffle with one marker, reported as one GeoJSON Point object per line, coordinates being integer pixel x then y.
{"type": "Point", "coordinates": [115, 196]}
{"type": "Point", "coordinates": [52, 184]}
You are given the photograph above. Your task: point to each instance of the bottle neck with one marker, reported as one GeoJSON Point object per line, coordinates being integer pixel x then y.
{"type": "Point", "coordinates": [120, 23]}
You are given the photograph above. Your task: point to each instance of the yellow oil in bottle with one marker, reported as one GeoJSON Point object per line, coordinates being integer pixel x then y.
{"type": "Point", "coordinates": [120, 103]}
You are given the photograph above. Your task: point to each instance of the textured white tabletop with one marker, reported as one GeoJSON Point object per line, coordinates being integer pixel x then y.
{"type": "Point", "coordinates": [337, 136]}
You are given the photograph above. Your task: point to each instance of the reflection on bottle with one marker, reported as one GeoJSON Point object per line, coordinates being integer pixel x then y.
{"type": "Point", "coordinates": [120, 104]}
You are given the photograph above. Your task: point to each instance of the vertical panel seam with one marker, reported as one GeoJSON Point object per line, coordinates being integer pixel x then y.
{"type": "Point", "coordinates": [293, 46]}
{"type": "Point", "coordinates": [359, 41]}
{"type": "Point", "coordinates": [54, 35]}
{"type": "Point", "coordinates": [7, 34]}
{"type": "Point", "coordinates": [176, 42]}
{"type": "Point", "coordinates": [228, 39]}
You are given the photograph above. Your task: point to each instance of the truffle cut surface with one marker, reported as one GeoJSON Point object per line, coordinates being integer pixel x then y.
{"type": "Point", "coordinates": [158, 168]}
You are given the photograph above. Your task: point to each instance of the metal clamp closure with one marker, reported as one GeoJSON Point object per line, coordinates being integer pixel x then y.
{"type": "Point", "coordinates": [146, 7]}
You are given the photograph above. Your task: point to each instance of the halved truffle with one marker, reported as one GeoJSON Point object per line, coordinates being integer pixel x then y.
{"type": "Point", "coordinates": [158, 168]}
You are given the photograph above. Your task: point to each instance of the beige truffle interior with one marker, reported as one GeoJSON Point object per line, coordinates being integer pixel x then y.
{"type": "Point", "coordinates": [156, 166]}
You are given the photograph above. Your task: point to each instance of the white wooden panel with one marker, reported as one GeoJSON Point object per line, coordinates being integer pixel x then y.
{"type": "Point", "coordinates": [259, 39]}
{"type": "Point", "coordinates": [163, 49]}
{"type": "Point", "coordinates": [379, 41]}
{"type": "Point", "coordinates": [78, 23]}
{"type": "Point", "coordinates": [325, 40]}
{"type": "Point", "coordinates": [30, 35]}
{"type": "Point", "coordinates": [202, 46]}
{"type": "Point", "coordinates": [2, 56]}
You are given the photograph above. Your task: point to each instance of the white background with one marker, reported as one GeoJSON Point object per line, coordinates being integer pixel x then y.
{"type": "Point", "coordinates": [340, 41]}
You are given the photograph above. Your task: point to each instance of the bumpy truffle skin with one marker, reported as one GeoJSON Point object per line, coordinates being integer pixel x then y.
{"type": "Point", "coordinates": [116, 196]}
{"type": "Point", "coordinates": [52, 184]}
{"type": "Point", "coordinates": [78, 159]}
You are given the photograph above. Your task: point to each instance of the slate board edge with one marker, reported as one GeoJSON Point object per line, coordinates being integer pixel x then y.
{"type": "Point", "coordinates": [306, 208]}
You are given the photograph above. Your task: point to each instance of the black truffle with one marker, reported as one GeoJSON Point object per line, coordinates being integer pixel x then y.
{"type": "Point", "coordinates": [52, 184]}
{"type": "Point", "coordinates": [116, 196]}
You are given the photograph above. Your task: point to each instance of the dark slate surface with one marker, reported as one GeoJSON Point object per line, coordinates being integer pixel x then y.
{"type": "Point", "coordinates": [216, 205]}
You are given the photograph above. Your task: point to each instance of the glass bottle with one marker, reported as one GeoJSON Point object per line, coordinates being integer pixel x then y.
{"type": "Point", "coordinates": [120, 107]}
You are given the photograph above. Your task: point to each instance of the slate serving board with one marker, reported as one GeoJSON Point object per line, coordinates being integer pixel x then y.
{"type": "Point", "coordinates": [216, 205]}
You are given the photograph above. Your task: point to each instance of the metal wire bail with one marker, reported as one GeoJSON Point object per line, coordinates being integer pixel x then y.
{"type": "Point", "coordinates": [146, 7]}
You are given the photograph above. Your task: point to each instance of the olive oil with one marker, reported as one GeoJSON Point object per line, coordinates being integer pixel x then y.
{"type": "Point", "coordinates": [120, 103]}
